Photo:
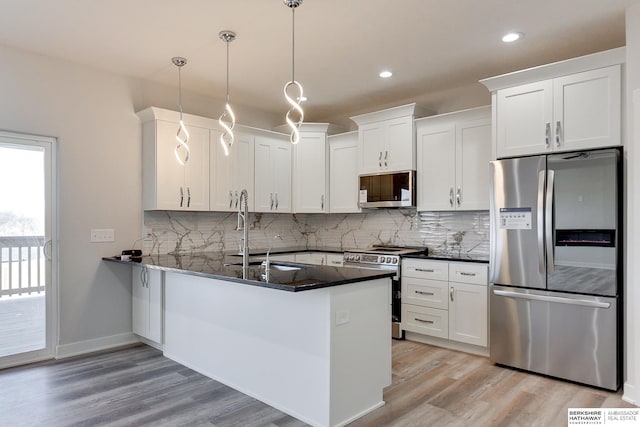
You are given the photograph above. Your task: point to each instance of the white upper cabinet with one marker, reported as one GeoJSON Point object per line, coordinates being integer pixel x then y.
{"type": "Point", "coordinates": [568, 105]}
{"type": "Point", "coordinates": [310, 169]}
{"type": "Point", "coordinates": [272, 173]}
{"type": "Point", "coordinates": [386, 140]}
{"type": "Point", "coordinates": [167, 184]}
{"type": "Point", "coordinates": [233, 173]}
{"type": "Point", "coordinates": [453, 153]}
{"type": "Point", "coordinates": [343, 173]}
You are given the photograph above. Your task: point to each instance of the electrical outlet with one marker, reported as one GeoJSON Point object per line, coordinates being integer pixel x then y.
{"type": "Point", "coordinates": [100, 235]}
{"type": "Point", "coordinates": [342, 317]}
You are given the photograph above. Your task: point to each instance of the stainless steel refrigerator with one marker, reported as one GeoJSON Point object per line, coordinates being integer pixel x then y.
{"type": "Point", "coordinates": [555, 265]}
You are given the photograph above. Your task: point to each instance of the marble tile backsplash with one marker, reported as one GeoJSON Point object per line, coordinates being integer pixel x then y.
{"type": "Point", "coordinates": [444, 233]}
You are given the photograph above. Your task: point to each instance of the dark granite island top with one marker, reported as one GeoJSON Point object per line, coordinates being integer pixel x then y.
{"type": "Point", "coordinates": [282, 275]}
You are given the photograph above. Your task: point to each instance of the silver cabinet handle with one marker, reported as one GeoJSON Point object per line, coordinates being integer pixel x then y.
{"type": "Point", "coordinates": [558, 133]}
{"type": "Point", "coordinates": [423, 321]}
{"type": "Point", "coordinates": [237, 200]}
{"type": "Point", "coordinates": [463, 273]}
{"type": "Point", "coordinates": [547, 134]}
{"type": "Point", "coordinates": [424, 293]}
{"type": "Point", "coordinates": [230, 199]}
{"type": "Point", "coordinates": [188, 196]}
{"type": "Point", "coordinates": [181, 196]}
{"type": "Point", "coordinates": [458, 196]}
{"type": "Point", "coordinates": [451, 196]}
{"type": "Point", "coordinates": [380, 159]}
{"type": "Point", "coordinates": [386, 155]}
{"type": "Point", "coordinates": [336, 262]}
{"type": "Point", "coordinates": [271, 200]}
{"type": "Point", "coordinates": [425, 270]}
{"type": "Point", "coordinates": [322, 202]}
{"type": "Point", "coordinates": [451, 291]}
{"type": "Point", "coordinates": [276, 201]}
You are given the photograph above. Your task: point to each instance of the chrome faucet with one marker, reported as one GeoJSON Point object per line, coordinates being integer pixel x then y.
{"type": "Point", "coordinates": [244, 215]}
{"type": "Point", "coordinates": [267, 263]}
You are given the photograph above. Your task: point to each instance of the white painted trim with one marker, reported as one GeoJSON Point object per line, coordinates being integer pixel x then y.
{"type": "Point", "coordinates": [93, 345]}
{"type": "Point", "coordinates": [361, 414]}
{"type": "Point", "coordinates": [451, 345]}
{"type": "Point", "coordinates": [557, 69]}
{"type": "Point", "coordinates": [631, 394]}
{"type": "Point", "coordinates": [388, 114]}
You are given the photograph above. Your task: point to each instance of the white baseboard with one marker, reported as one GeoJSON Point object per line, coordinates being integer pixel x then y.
{"type": "Point", "coordinates": [631, 394]}
{"type": "Point", "coordinates": [97, 344]}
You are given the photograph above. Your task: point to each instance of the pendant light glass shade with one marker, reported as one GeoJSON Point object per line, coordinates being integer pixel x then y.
{"type": "Point", "coordinates": [295, 115]}
{"type": "Point", "coordinates": [227, 138]}
{"type": "Point", "coordinates": [182, 136]}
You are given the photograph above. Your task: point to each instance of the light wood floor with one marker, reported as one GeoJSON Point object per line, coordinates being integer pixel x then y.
{"type": "Point", "coordinates": [138, 386]}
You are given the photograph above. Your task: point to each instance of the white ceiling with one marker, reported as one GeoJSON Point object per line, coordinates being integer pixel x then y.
{"type": "Point", "coordinates": [341, 45]}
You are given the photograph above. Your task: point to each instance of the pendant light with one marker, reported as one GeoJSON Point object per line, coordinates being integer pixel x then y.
{"type": "Point", "coordinates": [182, 136]}
{"type": "Point", "coordinates": [227, 137]}
{"type": "Point", "coordinates": [296, 100]}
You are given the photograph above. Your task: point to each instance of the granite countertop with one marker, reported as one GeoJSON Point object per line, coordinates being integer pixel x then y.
{"type": "Point", "coordinates": [282, 275]}
{"type": "Point", "coordinates": [451, 257]}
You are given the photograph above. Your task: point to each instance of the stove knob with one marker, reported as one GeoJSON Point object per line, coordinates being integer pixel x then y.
{"type": "Point", "coordinates": [395, 260]}
{"type": "Point", "coordinates": [356, 257]}
{"type": "Point", "coordinates": [388, 259]}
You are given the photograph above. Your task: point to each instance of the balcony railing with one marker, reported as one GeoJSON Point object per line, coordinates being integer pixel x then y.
{"type": "Point", "coordinates": [22, 265]}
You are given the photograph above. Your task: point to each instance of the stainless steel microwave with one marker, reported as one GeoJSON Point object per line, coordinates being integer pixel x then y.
{"type": "Point", "coordinates": [388, 190]}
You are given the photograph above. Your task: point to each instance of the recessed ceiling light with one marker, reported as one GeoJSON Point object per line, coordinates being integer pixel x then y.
{"type": "Point", "coordinates": [512, 37]}
{"type": "Point", "coordinates": [386, 74]}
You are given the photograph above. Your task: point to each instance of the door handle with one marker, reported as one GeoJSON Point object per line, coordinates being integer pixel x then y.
{"type": "Point", "coordinates": [277, 201]}
{"type": "Point", "coordinates": [549, 222]}
{"type": "Point", "coordinates": [181, 196]}
{"type": "Point", "coordinates": [558, 133]}
{"type": "Point", "coordinates": [451, 291]}
{"type": "Point", "coordinates": [425, 270]}
{"type": "Point", "coordinates": [424, 293]}
{"type": "Point", "coordinates": [230, 199]}
{"type": "Point", "coordinates": [46, 249]}
{"type": "Point", "coordinates": [237, 199]}
{"type": "Point", "coordinates": [540, 222]}
{"type": "Point", "coordinates": [322, 202]}
{"type": "Point", "coordinates": [386, 155]}
{"type": "Point", "coordinates": [423, 321]}
{"type": "Point", "coordinates": [458, 196]}
{"type": "Point", "coordinates": [451, 196]}
{"type": "Point", "coordinates": [271, 200]}
{"type": "Point", "coordinates": [188, 196]}
{"type": "Point", "coordinates": [380, 159]}
{"type": "Point", "coordinates": [546, 298]}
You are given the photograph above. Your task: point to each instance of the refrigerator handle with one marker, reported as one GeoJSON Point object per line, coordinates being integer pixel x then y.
{"type": "Point", "coordinates": [549, 221]}
{"type": "Point", "coordinates": [540, 225]}
{"type": "Point", "coordinates": [548, 298]}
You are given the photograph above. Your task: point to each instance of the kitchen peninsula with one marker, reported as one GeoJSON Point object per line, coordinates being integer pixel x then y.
{"type": "Point", "coordinates": [312, 341]}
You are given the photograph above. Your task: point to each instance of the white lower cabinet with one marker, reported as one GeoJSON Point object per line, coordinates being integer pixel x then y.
{"type": "Point", "coordinates": [147, 292]}
{"type": "Point", "coordinates": [446, 300]}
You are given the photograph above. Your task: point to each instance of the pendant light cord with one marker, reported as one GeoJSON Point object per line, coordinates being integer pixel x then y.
{"type": "Point", "coordinates": [180, 91]}
{"type": "Point", "coordinates": [293, 44]}
{"type": "Point", "coordinates": [227, 71]}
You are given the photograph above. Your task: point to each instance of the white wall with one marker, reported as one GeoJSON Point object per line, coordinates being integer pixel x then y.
{"type": "Point", "coordinates": [92, 113]}
{"type": "Point", "coordinates": [632, 293]}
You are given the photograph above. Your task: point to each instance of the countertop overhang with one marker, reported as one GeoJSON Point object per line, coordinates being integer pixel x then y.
{"type": "Point", "coordinates": [228, 267]}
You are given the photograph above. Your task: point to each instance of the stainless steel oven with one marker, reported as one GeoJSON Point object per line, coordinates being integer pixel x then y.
{"type": "Point", "coordinates": [385, 258]}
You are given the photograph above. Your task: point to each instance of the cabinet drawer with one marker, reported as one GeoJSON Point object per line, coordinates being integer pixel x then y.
{"type": "Point", "coordinates": [467, 272]}
{"type": "Point", "coordinates": [424, 269]}
{"type": "Point", "coordinates": [426, 293]}
{"type": "Point", "coordinates": [427, 321]}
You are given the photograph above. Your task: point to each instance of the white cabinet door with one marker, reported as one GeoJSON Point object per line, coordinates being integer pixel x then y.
{"type": "Point", "coordinates": [343, 173]}
{"type": "Point", "coordinates": [473, 153]}
{"type": "Point", "coordinates": [139, 301]}
{"type": "Point", "coordinates": [399, 149]}
{"type": "Point", "coordinates": [468, 313]}
{"type": "Point", "coordinates": [231, 174]}
{"type": "Point", "coordinates": [196, 176]}
{"type": "Point", "coordinates": [387, 146]}
{"type": "Point", "coordinates": [436, 168]}
{"type": "Point", "coordinates": [453, 161]}
{"type": "Point", "coordinates": [524, 116]}
{"type": "Point", "coordinates": [587, 109]}
{"type": "Point", "coordinates": [272, 175]}
{"type": "Point", "coordinates": [310, 173]}
{"type": "Point", "coordinates": [156, 320]}
{"type": "Point", "coordinates": [281, 169]}
{"type": "Point", "coordinates": [146, 304]}
{"type": "Point", "coordinates": [169, 176]}
{"type": "Point", "coordinates": [372, 144]}
{"type": "Point", "coordinates": [180, 187]}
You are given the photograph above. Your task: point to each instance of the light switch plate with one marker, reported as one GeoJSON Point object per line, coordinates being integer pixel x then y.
{"type": "Point", "coordinates": [342, 317]}
{"type": "Point", "coordinates": [99, 235]}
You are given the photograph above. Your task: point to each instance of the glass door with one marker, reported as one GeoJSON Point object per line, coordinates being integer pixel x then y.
{"type": "Point", "coordinates": [28, 315]}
